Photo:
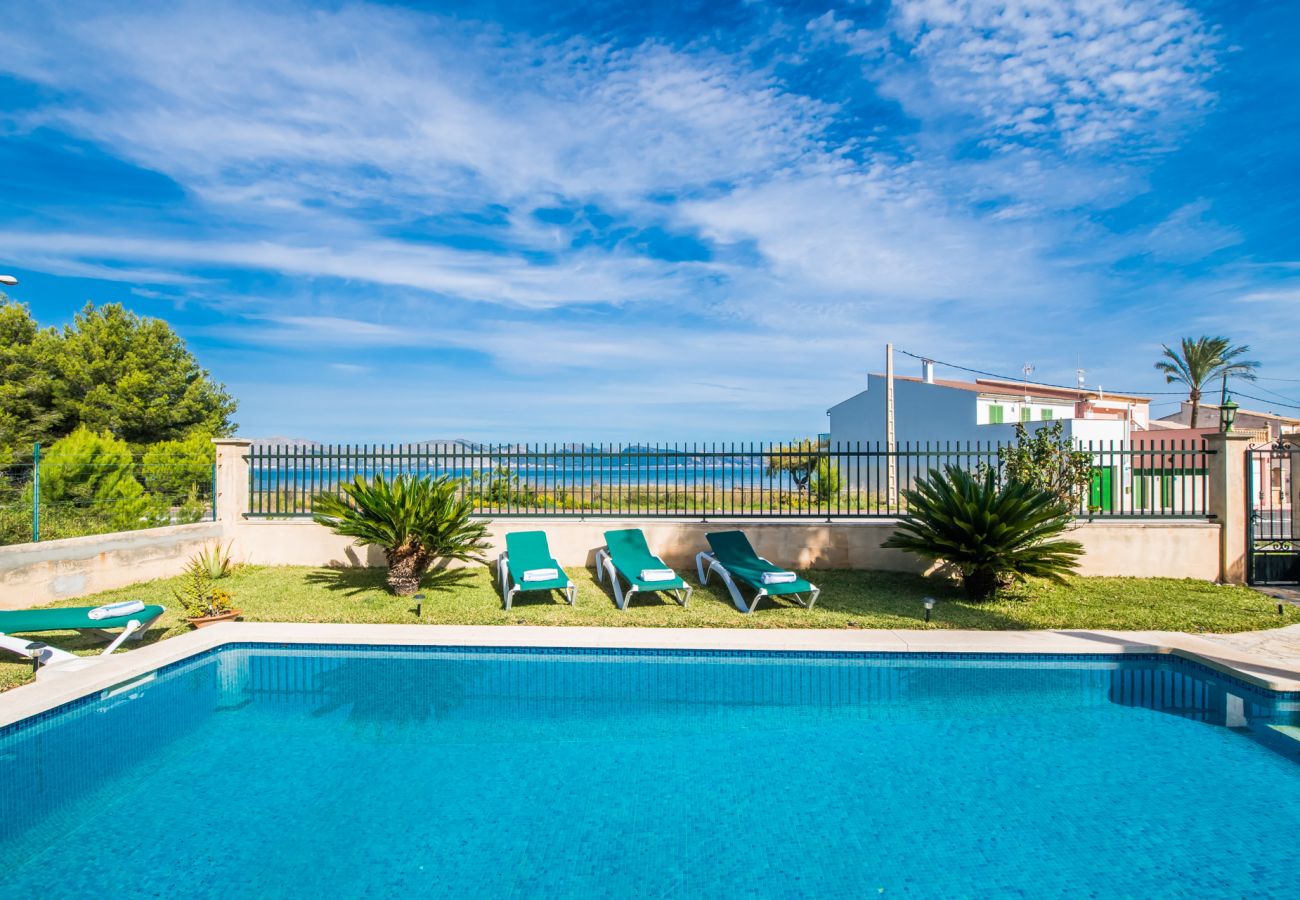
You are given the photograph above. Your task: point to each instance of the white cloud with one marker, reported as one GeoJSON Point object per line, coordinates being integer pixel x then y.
{"type": "Point", "coordinates": [319, 162]}
{"type": "Point", "coordinates": [1087, 72]}
{"type": "Point", "coordinates": [1188, 234]}
{"type": "Point", "coordinates": [472, 275]}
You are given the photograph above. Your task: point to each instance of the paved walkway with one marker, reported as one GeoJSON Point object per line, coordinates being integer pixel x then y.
{"type": "Point", "coordinates": [1278, 645]}
{"type": "Point", "coordinates": [1280, 592]}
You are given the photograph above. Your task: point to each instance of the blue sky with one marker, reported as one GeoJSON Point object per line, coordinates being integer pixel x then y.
{"type": "Point", "coordinates": [653, 221]}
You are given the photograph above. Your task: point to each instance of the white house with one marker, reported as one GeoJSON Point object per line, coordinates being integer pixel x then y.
{"type": "Point", "coordinates": [983, 413]}
{"type": "Point", "coordinates": [985, 410]}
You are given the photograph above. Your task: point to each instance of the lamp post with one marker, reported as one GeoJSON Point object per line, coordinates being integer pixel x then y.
{"type": "Point", "coordinates": [8, 280]}
{"type": "Point", "coordinates": [1227, 415]}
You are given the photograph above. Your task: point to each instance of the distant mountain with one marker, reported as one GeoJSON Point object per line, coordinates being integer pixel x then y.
{"type": "Point", "coordinates": [454, 445]}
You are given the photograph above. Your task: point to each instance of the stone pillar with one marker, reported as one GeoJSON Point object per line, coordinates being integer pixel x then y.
{"type": "Point", "coordinates": [1228, 502]}
{"type": "Point", "coordinates": [232, 484]}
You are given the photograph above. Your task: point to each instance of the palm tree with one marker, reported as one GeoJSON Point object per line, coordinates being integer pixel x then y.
{"type": "Point", "coordinates": [992, 534]}
{"type": "Point", "coordinates": [1201, 360]}
{"type": "Point", "coordinates": [415, 521]}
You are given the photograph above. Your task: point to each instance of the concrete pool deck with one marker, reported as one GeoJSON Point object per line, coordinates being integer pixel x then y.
{"type": "Point", "coordinates": [1248, 657]}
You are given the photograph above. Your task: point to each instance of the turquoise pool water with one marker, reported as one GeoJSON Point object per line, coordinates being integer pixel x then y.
{"type": "Point", "coordinates": [354, 772]}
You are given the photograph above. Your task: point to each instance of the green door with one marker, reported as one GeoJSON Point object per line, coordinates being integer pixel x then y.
{"type": "Point", "coordinates": [1101, 494]}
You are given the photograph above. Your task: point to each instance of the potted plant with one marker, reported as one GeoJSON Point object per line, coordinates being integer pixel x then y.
{"type": "Point", "coordinates": [202, 603]}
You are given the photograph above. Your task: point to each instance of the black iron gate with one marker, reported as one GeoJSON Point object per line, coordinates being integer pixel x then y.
{"type": "Point", "coordinates": [1273, 548]}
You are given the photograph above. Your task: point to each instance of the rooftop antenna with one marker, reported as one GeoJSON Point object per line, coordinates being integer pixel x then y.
{"type": "Point", "coordinates": [1080, 377]}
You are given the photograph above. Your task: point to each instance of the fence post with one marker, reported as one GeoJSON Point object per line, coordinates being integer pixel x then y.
{"type": "Point", "coordinates": [230, 494]}
{"type": "Point", "coordinates": [36, 492]}
{"type": "Point", "coordinates": [1293, 475]}
{"type": "Point", "coordinates": [1228, 502]}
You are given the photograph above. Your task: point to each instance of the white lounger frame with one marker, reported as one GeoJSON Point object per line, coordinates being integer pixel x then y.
{"type": "Point", "coordinates": [52, 660]}
{"type": "Point", "coordinates": [508, 592]}
{"type": "Point", "coordinates": [605, 566]}
{"type": "Point", "coordinates": [715, 566]}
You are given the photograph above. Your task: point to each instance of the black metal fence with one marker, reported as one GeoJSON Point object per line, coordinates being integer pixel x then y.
{"type": "Point", "coordinates": [1273, 548]}
{"type": "Point", "coordinates": [713, 480]}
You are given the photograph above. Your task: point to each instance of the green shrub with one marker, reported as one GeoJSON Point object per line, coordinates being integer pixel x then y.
{"type": "Point", "coordinates": [993, 534]}
{"type": "Point", "coordinates": [198, 597]}
{"type": "Point", "coordinates": [1048, 460]}
{"type": "Point", "coordinates": [89, 477]}
{"type": "Point", "coordinates": [501, 487]}
{"type": "Point", "coordinates": [176, 469]}
{"type": "Point", "coordinates": [826, 481]}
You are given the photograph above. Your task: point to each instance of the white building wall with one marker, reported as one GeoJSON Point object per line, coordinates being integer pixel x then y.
{"type": "Point", "coordinates": [1012, 408]}
{"type": "Point", "coordinates": [922, 412]}
{"type": "Point", "coordinates": [949, 417]}
{"type": "Point", "coordinates": [939, 414]}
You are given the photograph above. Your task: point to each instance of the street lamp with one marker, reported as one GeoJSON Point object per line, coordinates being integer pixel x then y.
{"type": "Point", "coordinates": [1227, 415]}
{"type": "Point", "coordinates": [8, 280]}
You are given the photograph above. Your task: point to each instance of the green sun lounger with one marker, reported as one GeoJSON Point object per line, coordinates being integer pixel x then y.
{"type": "Point", "coordinates": [527, 552]}
{"type": "Point", "coordinates": [627, 554]}
{"type": "Point", "coordinates": [69, 618]}
{"type": "Point", "coordinates": [733, 558]}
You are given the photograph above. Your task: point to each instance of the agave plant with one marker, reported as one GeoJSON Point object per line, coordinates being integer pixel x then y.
{"type": "Point", "coordinates": [993, 534]}
{"type": "Point", "coordinates": [416, 521]}
{"type": "Point", "coordinates": [214, 559]}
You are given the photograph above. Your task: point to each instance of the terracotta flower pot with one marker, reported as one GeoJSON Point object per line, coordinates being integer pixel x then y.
{"type": "Point", "coordinates": [203, 621]}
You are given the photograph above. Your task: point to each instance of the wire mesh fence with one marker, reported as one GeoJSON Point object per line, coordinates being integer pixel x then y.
{"type": "Point", "coordinates": [55, 497]}
{"type": "Point", "coordinates": [715, 480]}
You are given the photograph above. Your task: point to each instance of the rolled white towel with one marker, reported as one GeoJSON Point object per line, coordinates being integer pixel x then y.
{"type": "Point", "coordinates": [779, 577]}
{"type": "Point", "coordinates": [541, 574]}
{"type": "Point", "coordinates": [658, 575]}
{"type": "Point", "coordinates": [113, 610]}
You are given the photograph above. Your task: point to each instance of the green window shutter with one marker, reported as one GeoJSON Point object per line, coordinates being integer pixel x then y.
{"type": "Point", "coordinates": [995, 415]}
{"type": "Point", "coordinates": [1047, 415]}
{"type": "Point", "coordinates": [1025, 413]}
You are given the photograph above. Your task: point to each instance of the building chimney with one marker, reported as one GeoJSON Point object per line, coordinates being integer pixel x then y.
{"type": "Point", "coordinates": [927, 371]}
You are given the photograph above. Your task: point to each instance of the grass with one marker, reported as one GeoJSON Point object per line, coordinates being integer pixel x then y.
{"type": "Point", "coordinates": [849, 599]}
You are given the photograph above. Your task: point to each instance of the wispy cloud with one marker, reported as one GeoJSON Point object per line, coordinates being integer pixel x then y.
{"type": "Point", "coordinates": [974, 177]}
{"type": "Point", "coordinates": [1083, 72]}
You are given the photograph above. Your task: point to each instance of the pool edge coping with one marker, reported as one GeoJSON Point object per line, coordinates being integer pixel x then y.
{"type": "Point", "coordinates": [33, 699]}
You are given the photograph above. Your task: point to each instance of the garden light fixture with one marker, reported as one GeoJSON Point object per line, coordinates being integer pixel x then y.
{"type": "Point", "coordinates": [929, 605]}
{"type": "Point", "coordinates": [37, 651]}
{"type": "Point", "coordinates": [1227, 415]}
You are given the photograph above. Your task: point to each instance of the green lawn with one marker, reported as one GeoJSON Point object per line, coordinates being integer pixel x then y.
{"type": "Point", "coordinates": [849, 600]}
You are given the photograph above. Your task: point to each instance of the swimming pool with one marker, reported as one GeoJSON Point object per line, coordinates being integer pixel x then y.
{"type": "Point", "coordinates": [256, 770]}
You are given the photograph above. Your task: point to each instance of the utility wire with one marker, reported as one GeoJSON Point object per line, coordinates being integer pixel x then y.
{"type": "Point", "coordinates": [1020, 380]}
{"type": "Point", "coordinates": [1275, 394]}
{"type": "Point", "coordinates": [1264, 400]}
{"type": "Point", "coordinates": [1015, 380]}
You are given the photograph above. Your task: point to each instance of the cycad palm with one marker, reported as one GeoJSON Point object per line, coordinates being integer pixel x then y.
{"type": "Point", "coordinates": [1200, 360]}
{"type": "Point", "coordinates": [993, 534]}
{"type": "Point", "coordinates": [414, 520]}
